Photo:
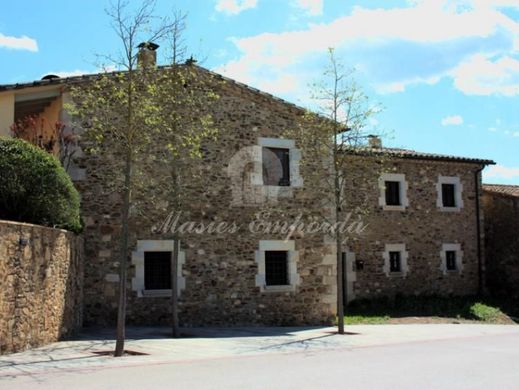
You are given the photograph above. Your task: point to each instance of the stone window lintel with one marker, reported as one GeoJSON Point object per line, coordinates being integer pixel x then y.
{"type": "Point", "coordinates": [404, 187]}
{"type": "Point", "coordinates": [458, 195]}
{"type": "Point", "coordinates": [138, 263]}
{"type": "Point", "coordinates": [293, 258]}
{"type": "Point", "coordinates": [295, 157]}
{"type": "Point", "coordinates": [456, 247]}
{"type": "Point", "coordinates": [404, 256]}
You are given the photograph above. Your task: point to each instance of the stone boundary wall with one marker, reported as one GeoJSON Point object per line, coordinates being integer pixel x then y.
{"type": "Point", "coordinates": [502, 244]}
{"type": "Point", "coordinates": [41, 285]}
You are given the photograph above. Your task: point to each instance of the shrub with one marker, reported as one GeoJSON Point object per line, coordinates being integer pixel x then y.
{"type": "Point", "coordinates": [483, 312]}
{"type": "Point", "coordinates": [35, 188]}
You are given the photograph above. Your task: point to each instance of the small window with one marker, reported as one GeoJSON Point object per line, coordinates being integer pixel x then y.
{"type": "Point", "coordinates": [276, 268]}
{"type": "Point", "coordinates": [451, 257]}
{"type": "Point", "coordinates": [395, 264]}
{"type": "Point", "coordinates": [276, 166]}
{"type": "Point", "coordinates": [449, 195]}
{"type": "Point", "coordinates": [450, 260]}
{"type": "Point", "coordinates": [157, 270]}
{"type": "Point", "coordinates": [393, 193]}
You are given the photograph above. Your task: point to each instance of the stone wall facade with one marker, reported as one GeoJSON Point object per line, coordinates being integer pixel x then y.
{"type": "Point", "coordinates": [502, 243]}
{"type": "Point", "coordinates": [41, 277]}
{"type": "Point", "coordinates": [422, 227]}
{"type": "Point", "coordinates": [222, 273]}
{"type": "Point", "coordinates": [221, 270]}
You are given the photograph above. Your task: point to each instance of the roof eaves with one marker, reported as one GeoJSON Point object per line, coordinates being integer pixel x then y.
{"type": "Point", "coordinates": [411, 154]}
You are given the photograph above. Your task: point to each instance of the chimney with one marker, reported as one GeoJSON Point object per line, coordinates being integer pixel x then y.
{"type": "Point", "coordinates": [147, 56]}
{"type": "Point", "coordinates": [374, 142]}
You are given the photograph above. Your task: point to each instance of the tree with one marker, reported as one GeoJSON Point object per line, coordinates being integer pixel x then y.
{"type": "Point", "coordinates": [131, 120]}
{"type": "Point", "coordinates": [330, 133]}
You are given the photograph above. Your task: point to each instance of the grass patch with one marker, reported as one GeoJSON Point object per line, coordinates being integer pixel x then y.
{"type": "Point", "coordinates": [367, 320]}
{"type": "Point", "coordinates": [432, 308]}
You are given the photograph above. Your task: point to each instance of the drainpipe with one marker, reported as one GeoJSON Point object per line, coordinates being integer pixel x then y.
{"type": "Point", "coordinates": [478, 228]}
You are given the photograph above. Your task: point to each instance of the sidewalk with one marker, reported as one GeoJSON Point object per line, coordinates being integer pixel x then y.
{"type": "Point", "coordinates": [223, 343]}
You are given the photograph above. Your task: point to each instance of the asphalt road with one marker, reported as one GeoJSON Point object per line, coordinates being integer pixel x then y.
{"type": "Point", "coordinates": [479, 362]}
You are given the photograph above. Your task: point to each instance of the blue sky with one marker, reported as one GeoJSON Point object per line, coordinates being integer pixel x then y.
{"type": "Point", "coordinates": [446, 72]}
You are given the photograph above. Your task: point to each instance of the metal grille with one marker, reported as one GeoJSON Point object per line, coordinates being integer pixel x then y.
{"type": "Point", "coordinates": [276, 268]}
{"type": "Point", "coordinates": [392, 193]}
{"type": "Point", "coordinates": [450, 257]}
{"type": "Point", "coordinates": [448, 195]}
{"type": "Point", "coordinates": [394, 262]}
{"type": "Point", "coordinates": [157, 270]}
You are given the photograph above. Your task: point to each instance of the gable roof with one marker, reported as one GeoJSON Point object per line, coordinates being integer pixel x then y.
{"type": "Point", "coordinates": [502, 189]}
{"type": "Point", "coordinates": [368, 151]}
{"type": "Point", "coordinates": [56, 81]}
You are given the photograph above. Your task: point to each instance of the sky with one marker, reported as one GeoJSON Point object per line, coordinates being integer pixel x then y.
{"type": "Point", "coordinates": [446, 72]}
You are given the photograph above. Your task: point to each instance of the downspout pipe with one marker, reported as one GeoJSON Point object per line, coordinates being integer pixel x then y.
{"type": "Point", "coordinates": [477, 175]}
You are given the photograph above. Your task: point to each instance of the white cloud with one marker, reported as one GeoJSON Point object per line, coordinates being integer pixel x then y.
{"type": "Point", "coordinates": [492, 129]}
{"type": "Point", "coordinates": [454, 120]}
{"type": "Point", "coordinates": [469, 4]}
{"type": "Point", "coordinates": [80, 72]}
{"type": "Point", "coordinates": [400, 86]}
{"type": "Point", "coordinates": [71, 73]}
{"type": "Point", "coordinates": [476, 28]}
{"type": "Point", "coordinates": [396, 87]}
{"type": "Point", "coordinates": [496, 3]}
{"type": "Point", "coordinates": [234, 7]}
{"type": "Point", "coordinates": [500, 171]}
{"type": "Point", "coordinates": [480, 75]}
{"type": "Point", "coordinates": [18, 43]}
{"type": "Point", "coordinates": [280, 85]}
{"type": "Point", "coordinates": [311, 7]}
{"type": "Point", "coordinates": [416, 24]}
{"type": "Point", "coordinates": [373, 122]}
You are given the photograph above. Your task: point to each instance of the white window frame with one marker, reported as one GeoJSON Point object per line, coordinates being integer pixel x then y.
{"type": "Point", "coordinates": [458, 193]}
{"type": "Point", "coordinates": [138, 262]}
{"type": "Point", "coordinates": [295, 158]}
{"type": "Point", "coordinates": [404, 257]}
{"type": "Point", "coordinates": [459, 258]}
{"type": "Point", "coordinates": [292, 258]}
{"type": "Point", "coordinates": [404, 187]}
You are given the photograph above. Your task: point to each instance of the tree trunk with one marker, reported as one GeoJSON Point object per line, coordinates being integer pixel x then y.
{"type": "Point", "coordinates": [340, 286]}
{"type": "Point", "coordinates": [125, 215]}
{"type": "Point", "coordinates": [174, 289]}
{"type": "Point", "coordinates": [121, 310]}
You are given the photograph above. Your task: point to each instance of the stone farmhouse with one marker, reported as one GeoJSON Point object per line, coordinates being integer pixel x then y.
{"type": "Point", "coordinates": [421, 230]}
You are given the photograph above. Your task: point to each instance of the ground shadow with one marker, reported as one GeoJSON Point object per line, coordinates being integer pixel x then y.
{"type": "Point", "coordinates": [161, 332]}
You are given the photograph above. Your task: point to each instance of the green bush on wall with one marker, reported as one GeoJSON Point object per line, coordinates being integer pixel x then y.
{"type": "Point", "coordinates": [34, 187]}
